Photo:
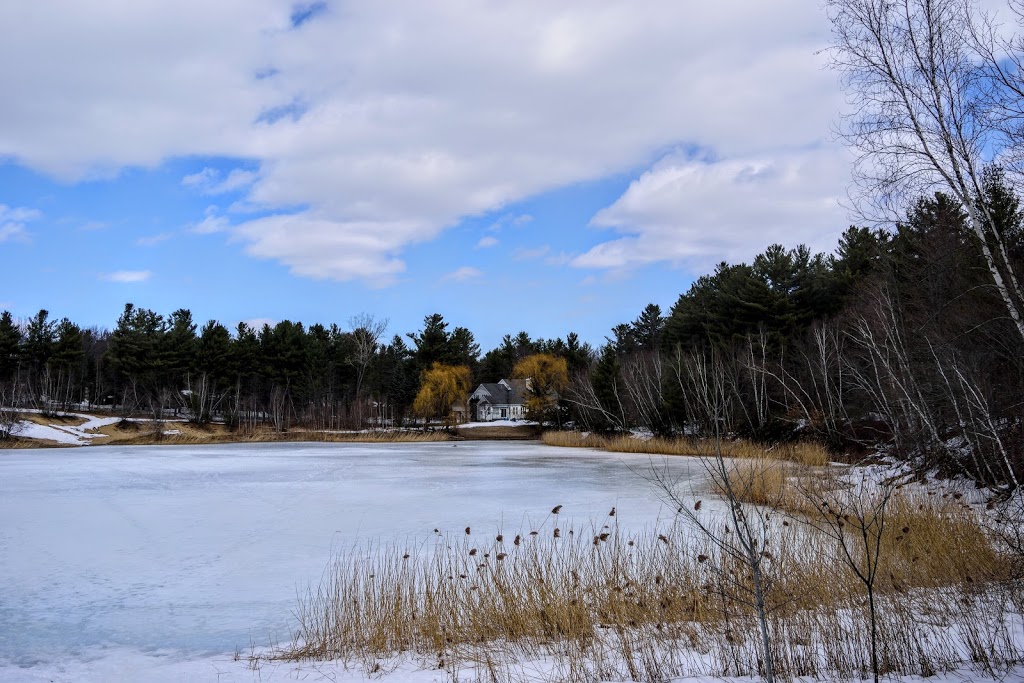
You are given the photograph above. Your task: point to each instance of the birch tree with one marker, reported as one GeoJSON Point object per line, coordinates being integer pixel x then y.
{"type": "Point", "coordinates": [923, 114]}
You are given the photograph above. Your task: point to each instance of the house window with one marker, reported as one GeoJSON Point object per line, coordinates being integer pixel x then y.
{"type": "Point", "coordinates": [504, 412]}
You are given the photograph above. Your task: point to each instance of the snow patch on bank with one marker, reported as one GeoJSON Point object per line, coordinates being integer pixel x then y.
{"type": "Point", "coordinates": [71, 435]}
{"type": "Point", "coordinates": [497, 423]}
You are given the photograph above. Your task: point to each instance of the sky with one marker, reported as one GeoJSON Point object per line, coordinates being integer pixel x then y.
{"type": "Point", "coordinates": [538, 166]}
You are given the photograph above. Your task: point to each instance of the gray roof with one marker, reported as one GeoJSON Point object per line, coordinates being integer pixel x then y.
{"type": "Point", "coordinates": [499, 394]}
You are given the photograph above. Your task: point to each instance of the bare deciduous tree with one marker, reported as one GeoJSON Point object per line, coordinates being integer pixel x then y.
{"type": "Point", "coordinates": [922, 118]}
{"type": "Point", "coordinates": [745, 535]}
{"type": "Point", "coordinates": [855, 518]}
{"type": "Point", "coordinates": [367, 331]}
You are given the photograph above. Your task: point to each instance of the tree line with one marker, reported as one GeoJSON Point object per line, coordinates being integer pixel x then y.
{"type": "Point", "coordinates": [910, 335]}
{"type": "Point", "coordinates": [279, 376]}
{"type": "Point", "coordinates": [898, 338]}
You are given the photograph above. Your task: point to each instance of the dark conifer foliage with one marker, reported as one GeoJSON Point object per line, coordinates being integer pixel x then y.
{"type": "Point", "coordinates": [898, 339]}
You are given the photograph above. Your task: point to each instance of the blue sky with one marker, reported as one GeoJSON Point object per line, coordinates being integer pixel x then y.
{"type": "Point", "coordinates": [511, 167]}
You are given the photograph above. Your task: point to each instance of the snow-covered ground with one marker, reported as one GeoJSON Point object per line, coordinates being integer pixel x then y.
{"type": "Point", "coordinates": [159, 563]}
{"type": "Point", "coordinates": [497, 423]}
{"type": "Point", "coordinates": [168, 564]}
{"type": "Point", "coordinates": [72, 435]}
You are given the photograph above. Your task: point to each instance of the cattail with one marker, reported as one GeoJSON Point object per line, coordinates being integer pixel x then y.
{"type": "Point", "coordinates": [696, 506]}
{"type": "Point", "coordinates": [558, 533]}
{"type": "Point", "coordinates": [518, 539]}
{"type": "Point", "coordinates": [472, 552]}
{"type": "Point", "coordinates": [467, 531]}
{"type": "Point", "coordinates": [499, 538]}
{"type": "Point", "coordinates": [555, 510]}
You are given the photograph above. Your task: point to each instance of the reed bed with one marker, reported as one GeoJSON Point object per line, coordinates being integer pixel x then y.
{"type": "Point", "coordinates": [805, 453]}
{"type": "Point", "coordinates": [599, 602]}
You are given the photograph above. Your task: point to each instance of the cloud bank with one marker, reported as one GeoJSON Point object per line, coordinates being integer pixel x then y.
{"type": "Point", "coordinates": [377, 125]}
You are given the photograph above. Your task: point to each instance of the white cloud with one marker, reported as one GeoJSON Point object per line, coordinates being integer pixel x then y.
{"type": "Point", "coordinates": [12, 223]}
{"type": "Point", "coordinates": [487, 242]}
{"type": "Point", "coordinates": [202, 179]}
{"type": "Point", "coordinates": [127, 276]}
{"type": "Point", "coordinates": [211, 223]}
{"type": "Point", "coordinates": [153, 240]}
{"type": "Point", "coordinates": [209, 181]}
{"type": "Point", "coordinates": [395, 119]}
{"type": "Point", "coordinates": [320, 248]}
{"type": "Point", "coordinates": [462, 274]}
{"type": "Point", "coordinates": [699, 212]}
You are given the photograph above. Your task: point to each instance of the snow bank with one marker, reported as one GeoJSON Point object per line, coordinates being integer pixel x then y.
{"type": "Point", "coordinates": [72, 435]}
{"type": "Point", "coordinates": [497, 423]}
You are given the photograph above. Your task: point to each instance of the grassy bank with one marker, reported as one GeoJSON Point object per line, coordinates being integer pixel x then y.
{"type": "Point", "coordinates": [187, 434]}
{"type": "Point", "coordinates": [803, 453]}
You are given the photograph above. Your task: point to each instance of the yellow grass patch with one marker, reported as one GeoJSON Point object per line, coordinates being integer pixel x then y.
{"type": "Point", "coordinates": [804, 453]}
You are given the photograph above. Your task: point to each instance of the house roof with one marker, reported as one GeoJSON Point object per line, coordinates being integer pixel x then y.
{"type": "Point", "coordinates": [505, 392]}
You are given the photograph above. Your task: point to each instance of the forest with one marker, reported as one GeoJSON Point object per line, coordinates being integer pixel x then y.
{"type": "Point", "coordinates": [897, 340]}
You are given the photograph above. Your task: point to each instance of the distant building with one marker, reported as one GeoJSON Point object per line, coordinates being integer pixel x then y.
{"type": "Point", "coordinates": [505, 400]}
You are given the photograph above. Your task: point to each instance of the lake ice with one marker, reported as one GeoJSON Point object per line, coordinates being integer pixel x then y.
{"type": "Point", "coordinates": [201, 549]}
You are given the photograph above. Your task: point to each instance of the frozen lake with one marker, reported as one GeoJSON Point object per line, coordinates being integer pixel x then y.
{"type": "Point", "coordinates": [201, 549]}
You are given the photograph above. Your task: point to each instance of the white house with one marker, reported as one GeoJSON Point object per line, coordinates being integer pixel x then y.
{"type": "Point", "coordinates": [505, 400]}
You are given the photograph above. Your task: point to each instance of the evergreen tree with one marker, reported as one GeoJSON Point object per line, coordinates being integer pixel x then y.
{"type": "Point", "coordinates": [10, 344]}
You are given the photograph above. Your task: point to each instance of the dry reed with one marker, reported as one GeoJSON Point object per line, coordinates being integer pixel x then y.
{"type": "Point", "coordinates": [601, 603]}
{"type": "Point", "coordinates": [802, 452]}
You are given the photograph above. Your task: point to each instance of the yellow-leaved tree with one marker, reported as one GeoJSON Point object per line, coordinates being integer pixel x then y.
{"type": "Point", "coordinates": [440, 388]}
{"type": "Point", "coordinates": [549, 376]}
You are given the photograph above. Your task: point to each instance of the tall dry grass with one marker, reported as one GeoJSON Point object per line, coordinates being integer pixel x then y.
{"type": "Point", "coordinates": [802, 452]}
{"type": "Point", "coordinates": [598, 602]}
